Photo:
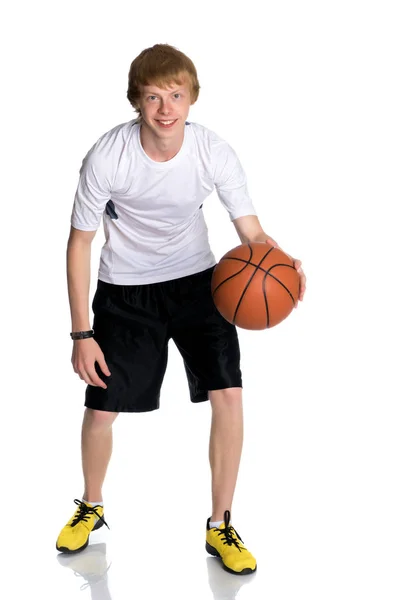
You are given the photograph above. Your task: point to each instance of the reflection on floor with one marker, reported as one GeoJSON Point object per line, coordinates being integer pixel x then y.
{"type": "Point", "coordinates": [93, 566]}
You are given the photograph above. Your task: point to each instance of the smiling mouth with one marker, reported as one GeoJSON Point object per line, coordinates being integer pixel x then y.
{"type": "Point", "coordinates": [166, 124]}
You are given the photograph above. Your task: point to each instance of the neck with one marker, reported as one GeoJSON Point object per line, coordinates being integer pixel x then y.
{"type": "Point", "coordinates": [159, 149]}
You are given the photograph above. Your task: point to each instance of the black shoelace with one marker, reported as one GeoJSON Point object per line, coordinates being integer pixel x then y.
{"type": "Point", "coordinates": [83, 513]}
{"type": "Point", "coordinates": [230, 537]}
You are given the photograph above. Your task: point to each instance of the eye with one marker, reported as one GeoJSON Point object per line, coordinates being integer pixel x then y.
{"type": "Point", "coordinates": [177, 95]}
{"type": "Point", "coordinates": [151, 97]}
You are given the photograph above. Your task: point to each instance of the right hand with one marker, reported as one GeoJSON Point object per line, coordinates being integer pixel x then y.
{"type": "Point", "coordinates": [84, 355]}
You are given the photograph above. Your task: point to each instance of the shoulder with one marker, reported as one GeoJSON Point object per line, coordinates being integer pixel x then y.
{"type": "Point", "coordinates": [205, 135]}
{"type": "Point", "coordinates": [104, 156]}
{"type": "Point", "coordinates": [216, 147]}
{"type": "Point", "coordinates": [108, 147]}
{"type": "Point", "coordinates": [111, 143]}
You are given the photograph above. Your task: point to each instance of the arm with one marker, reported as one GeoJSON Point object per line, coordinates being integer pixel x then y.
{"type": "Point", "coordinates": [78, 277]}
{"type": "Point", "coordinates": [92, 195]}
{"type": "Point", "coordinates": [85, 352]}
{"type": "Point", "coordinates": [231, 185]}
{"type": "Point", "coordinates": [249, 230]}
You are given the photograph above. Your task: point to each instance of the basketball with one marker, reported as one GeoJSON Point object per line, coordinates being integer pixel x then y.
{"type": "Point", "coordinates": [255, 286]}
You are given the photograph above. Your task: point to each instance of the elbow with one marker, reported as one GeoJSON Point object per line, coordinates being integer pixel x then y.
{"type": "Point", "coordinates": [80, 238]}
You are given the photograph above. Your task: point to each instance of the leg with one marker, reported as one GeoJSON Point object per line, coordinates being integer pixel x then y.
{"type": "Point", "coordinates": [226, 441]}
{"type": "Point", "coordinates": [96, 450]}
{"type": "Point", "coordinates": [209, 346]}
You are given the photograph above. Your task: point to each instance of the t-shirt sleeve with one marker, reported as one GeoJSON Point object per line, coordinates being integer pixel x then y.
{"type": "Point", "coordinates": [93, 192]}
{"type": "Point", "coordinates": [230, 181]}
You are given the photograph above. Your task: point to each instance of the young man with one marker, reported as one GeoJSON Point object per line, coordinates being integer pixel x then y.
{"type": "Point", "coordinates": [148, 179]}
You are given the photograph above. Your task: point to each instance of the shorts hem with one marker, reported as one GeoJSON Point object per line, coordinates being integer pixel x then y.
{"type": "Point", "coordinates": [121, 409]}
{"type": "Point", "coordinates": [204, 396]}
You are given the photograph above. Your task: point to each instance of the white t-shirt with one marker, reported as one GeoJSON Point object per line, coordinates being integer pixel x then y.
{"type": "Point", "coordinates": [153, 222]}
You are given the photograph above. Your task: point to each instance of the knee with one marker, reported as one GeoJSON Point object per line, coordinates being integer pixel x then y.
{"type": "Point", "coordinates": [99, 420]}
{"type": "Point", "coordinates": [229, 398]}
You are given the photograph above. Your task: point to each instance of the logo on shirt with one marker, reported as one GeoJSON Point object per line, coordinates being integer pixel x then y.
{"type": "Point", "coordinates": [110, 210]}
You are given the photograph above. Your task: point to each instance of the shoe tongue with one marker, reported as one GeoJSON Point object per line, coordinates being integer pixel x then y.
{"type": "Point", "coordinates": [90, 505]}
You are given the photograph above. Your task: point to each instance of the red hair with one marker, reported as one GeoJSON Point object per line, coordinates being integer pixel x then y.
{"type": "Point", "coordinates": [161, 66]}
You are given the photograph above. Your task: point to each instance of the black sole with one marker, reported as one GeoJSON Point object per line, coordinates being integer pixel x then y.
{"type": "Point", "coordinates": [65, 550]}
{"type": "Point", "coordinates": [211, 550]}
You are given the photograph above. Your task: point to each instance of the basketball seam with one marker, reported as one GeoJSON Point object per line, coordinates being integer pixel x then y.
{"type": "Point", "coordinates": [266, 299]}
{"type": "Point", "coordinates": [249, 281]}
{"type": "Point", "coordinates": [279, 281]}
{"type": "Point", "coordinates": [255, 265]}
{"type": "Point", "coordinates": [266, 273]}
{"type": "Point", "coordinates": [234, 275]}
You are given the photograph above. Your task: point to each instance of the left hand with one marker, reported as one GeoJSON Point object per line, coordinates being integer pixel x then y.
{"type": "Point", "coordinates": [297, 266]}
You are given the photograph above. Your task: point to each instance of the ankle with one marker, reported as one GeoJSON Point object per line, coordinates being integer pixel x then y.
{"type": "Point", "coordinates": [92, 498]}
{"type": "Point", "coordinates": [219, 515]}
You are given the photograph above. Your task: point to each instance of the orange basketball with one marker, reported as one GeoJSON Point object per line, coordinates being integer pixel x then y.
{"type": "Point", "coordinates": [255, 286]}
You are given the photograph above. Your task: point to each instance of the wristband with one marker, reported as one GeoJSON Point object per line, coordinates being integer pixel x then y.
{"type": "Point", "coordinates": [81, 335]}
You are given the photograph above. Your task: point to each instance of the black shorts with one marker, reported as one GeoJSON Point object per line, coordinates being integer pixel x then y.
{"type": "Point", "coordinates": [133, 325]}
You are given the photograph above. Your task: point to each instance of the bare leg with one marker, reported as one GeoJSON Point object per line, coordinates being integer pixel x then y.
{"type": "Point", "coordinates": [96, 451]}
{"type": "Point", "coordinates": [226, 441]}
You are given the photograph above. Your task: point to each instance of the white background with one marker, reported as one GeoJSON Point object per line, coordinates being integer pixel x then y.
{"type": "Point", "coordinates": [308, 95]}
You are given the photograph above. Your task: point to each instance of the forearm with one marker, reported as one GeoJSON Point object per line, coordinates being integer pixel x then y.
{"type": "Point", "coordinates": [249, 230]}
{"type": "Point", "coordinates": [78, 277]}
{"type": "Point", "coordinates": [261, 236]}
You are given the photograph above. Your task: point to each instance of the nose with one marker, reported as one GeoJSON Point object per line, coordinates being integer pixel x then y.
{"type": "Point", "coordinates": [164, 108]}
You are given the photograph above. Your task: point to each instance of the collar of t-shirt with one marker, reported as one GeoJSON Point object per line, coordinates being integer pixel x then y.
{"type": "Point", "coordinates": [165, 164]}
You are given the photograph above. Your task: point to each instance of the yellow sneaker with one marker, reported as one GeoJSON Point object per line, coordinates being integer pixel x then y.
{"type": "Point", "coordinates": [227, 544]}
{"type": "Point", "coordinates": [74, 537]}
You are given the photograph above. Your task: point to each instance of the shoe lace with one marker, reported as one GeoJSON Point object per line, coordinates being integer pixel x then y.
{"type": "Point", "coordinates": [83, 513]}
{"type": "Point", "coordinates": [231, 537]}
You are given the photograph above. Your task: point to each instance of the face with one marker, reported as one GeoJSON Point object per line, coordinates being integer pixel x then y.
{"type": "Point", "coordinates": [164, 111]}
